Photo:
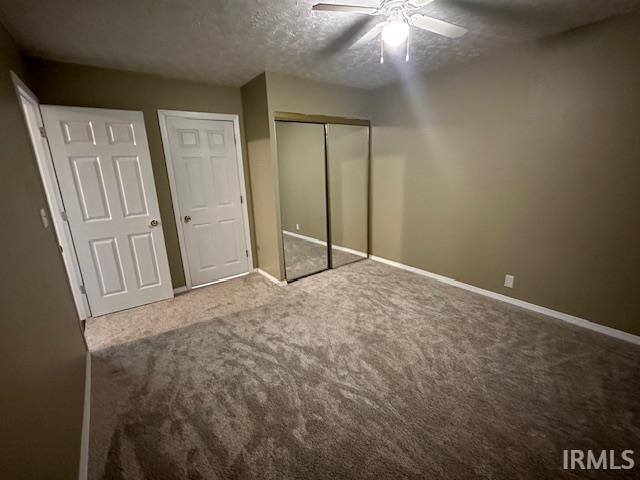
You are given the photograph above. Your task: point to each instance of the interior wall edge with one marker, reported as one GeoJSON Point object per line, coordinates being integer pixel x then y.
{"type": "Point", "coordinates": [273, 137]}
{"type": "Point", "coordinates": [86, 422]}
{"type": "Point", "coordinates": [261, 176]}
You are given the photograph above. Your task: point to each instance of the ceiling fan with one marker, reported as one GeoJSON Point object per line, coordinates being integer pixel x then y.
{"type": "Point", "coordinates": [396, 17]}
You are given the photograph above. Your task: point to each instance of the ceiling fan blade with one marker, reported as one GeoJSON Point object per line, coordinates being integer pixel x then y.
{"type": "Point", "coordinates": [420, 3]}
{"type": "Point", "coordinates": [372, 33]}
{"type": "Point", "coordinates": [351, 34]}
{"type": "Point", "coordinates": [331, 7]}
{"type": "Point", "coordinates": [440, 27]}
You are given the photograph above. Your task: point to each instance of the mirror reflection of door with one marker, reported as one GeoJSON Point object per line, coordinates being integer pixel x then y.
{"type": "Point", "coordinates": [301, 170]}
{"type": "Point", "coordinates": [348, 170]}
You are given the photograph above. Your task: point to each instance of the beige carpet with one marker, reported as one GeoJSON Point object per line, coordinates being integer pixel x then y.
{"type": "Point", "coordinates": [364, 372]}
{"type": "Point", "coordinates": [250, 291]}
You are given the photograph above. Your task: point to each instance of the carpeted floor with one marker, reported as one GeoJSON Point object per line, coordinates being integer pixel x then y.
{"type": "Point", "coordinates": [361, 372]}
{"type": "Point", "coordinates": [303, 257]}
{"type": "Point", "coordinates": [222, 299]}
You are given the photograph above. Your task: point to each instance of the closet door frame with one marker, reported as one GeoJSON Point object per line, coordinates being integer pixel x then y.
{"type": "Point", "coordinates": [325, 120]}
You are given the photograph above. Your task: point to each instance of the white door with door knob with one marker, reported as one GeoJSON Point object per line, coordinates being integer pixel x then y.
{"type": "Point", "coordinates": [102, 162]}
{"type": "Point", "coordinates": [205, 171]}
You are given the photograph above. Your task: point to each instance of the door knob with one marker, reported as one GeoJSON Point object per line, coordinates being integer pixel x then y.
{"type": "Point", "coordinates": [153, 223]}
{"type": "Point", "coordinates": [187, 219]}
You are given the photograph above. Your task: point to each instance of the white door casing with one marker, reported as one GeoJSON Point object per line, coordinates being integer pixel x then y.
{"type": "Point", "coordinates": [206, 175]}
{"type": "Point", "coordinates": [103, 165]}
{"type": "Point", "coordinates": [33, 118]}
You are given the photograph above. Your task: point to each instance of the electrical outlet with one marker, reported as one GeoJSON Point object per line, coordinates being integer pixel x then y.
{"type": "Point", "coordinates": [297, 227]}
{"type": "Point", "coordinates": [508, 281]}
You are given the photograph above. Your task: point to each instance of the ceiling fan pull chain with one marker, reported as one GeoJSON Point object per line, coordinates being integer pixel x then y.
{"type": "Point", "coordinates": [406, 57]}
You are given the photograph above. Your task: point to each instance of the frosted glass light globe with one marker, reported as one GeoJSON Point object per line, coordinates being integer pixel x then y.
{"type": "Point", "coordinates": [395, 32]}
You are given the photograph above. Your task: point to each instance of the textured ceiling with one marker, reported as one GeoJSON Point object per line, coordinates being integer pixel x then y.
{"type": "Point", "coordinates": [230, 41]}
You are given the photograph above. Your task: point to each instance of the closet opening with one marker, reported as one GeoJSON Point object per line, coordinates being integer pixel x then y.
{"type": "Point", "coordinates": [323, 176]}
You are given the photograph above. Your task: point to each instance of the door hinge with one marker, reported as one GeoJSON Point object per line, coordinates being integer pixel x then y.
{"type": "Point", "coordinates": [235, 139]}
{"type": "Point", "coordinates": [83, 290]}
{"type": "Point", "coordinates": [247, 253]}
{"type": "Point", "coordinates": [43, 133]}
{"type": "Point", "coordinates": [241, 200]}
{"type": "Point", "coordinates": [63, 214]}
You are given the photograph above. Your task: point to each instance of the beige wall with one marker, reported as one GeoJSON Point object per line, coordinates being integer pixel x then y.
{"type": "Point", "coordinates": [42, 353]}
{"type": "Point", "coordinates": [301, 174]}
{"type": "Point", "coordinates": [299, 95]}
{"type": "Point", "coordinates": [263, 176]}
{"type": "Point", "coordinates": [67, 84]}
{"type": "Point", "coordinates": [526, 163]}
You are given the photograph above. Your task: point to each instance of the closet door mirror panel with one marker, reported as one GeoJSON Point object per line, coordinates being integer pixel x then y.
{"type": "Point", "coordinates": [303, 201]}
{"type": "Point", "coordinates": [348, 172]}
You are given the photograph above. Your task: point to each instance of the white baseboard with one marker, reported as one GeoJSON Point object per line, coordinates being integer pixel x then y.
{"type": "Point", "coordinates": [324, 243]}
{"type": "Point", "coordinates": [86, 421]}
{"type": "Point", "coordinates": [179, 290]}
{"type": "Point", "coordinates": [581, 322]}
{"type": "Point", "coordinates": [305, 237]}
{"type": "Point", "coordinates": [270, 277]}
{"type": "Point", "coordinates": [222, 280]}
{"type": "Point", "coordinates": [358, 253]}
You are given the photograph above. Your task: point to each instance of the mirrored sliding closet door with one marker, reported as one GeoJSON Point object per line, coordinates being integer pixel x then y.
{"type": "Point", "coordinates": [323, 170]}
{"type": "Point", "coordinates": [348, 173]}
{"type": "Point", "coordinates": [303, 201]}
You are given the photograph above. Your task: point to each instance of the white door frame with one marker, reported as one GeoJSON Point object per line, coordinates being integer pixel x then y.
{"type": "Point", "coordinates": [162, 117]}
{"type": "Point", "coordinates": [54, 198]}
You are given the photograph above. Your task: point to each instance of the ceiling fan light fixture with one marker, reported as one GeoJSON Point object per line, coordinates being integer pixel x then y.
{"type": "Point", "coordinates": [395, 32]}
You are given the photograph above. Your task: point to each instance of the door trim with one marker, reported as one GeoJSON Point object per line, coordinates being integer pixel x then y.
{"type": "Point", "coordinates": [235, 119]}
{"type": "Point", "coordinates": [54, 200]}
{"type": "Point", "coordinates": [322, 119]}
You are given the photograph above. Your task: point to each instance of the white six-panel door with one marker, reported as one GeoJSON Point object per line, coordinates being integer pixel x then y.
{"type": "Point", "coordinates": [102, 161]}
{"type": "Point", "coordinates": [206, 177]}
